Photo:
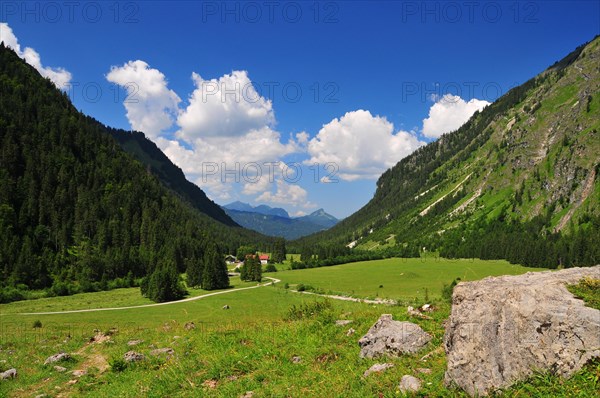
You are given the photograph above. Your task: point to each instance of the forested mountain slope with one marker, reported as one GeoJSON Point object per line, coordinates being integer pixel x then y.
{"type": "Point", "coordinates": [75, 209]}
{"type": "Point", "coordinates": [168, 173]}
{"type": "Point", "coordinates": [519, 180]}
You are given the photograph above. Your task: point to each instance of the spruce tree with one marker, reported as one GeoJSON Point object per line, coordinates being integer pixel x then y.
{"type": "Point", "coordinates": [164, 284]}
{"type": "Point", "coordinates": [194, 272]}
{"type": "Point", "coordinates": [214, 275]}
{"type": "Point", "coordinates": [279, 250]}
{"type": "Point", "coordinates": [257, 270]}
{"type": "Point", "coordinates": [244, 271]}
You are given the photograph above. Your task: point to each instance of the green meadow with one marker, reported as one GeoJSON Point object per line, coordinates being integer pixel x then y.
{"type": "Point", "coordinates": [398, 278]}
{"type": "Point", "coordinates": [251, 345]}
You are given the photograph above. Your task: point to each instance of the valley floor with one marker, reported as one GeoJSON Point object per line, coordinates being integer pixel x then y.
{"type": "Point", "coordinates": [252, 345]}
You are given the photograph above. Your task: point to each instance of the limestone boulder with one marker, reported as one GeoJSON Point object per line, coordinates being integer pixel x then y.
{"type": "Point", "coordinates": [502, 329]}
{"type": "Point", "coordinates": [393, 338]}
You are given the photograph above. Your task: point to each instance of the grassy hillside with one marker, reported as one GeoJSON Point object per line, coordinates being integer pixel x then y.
{"type": "Point", "coordinates": [527, 165]}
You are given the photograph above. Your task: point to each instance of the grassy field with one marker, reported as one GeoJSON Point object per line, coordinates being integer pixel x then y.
{"type": "Point", "coordinates": [400, 278]}
{"type": "Point", "coordinates": [248, 347]}
{"type": "Point", "coordinates": [107, 299]}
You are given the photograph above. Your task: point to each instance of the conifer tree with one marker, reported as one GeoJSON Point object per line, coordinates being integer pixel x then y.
{"type": "Point", "coordinates": [214, 275]}
{"type": "Point", "coordinates": [279, 250]}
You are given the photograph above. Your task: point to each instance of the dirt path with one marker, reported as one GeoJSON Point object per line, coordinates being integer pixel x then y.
{"type": "Point", "coordinates": [273, 281]}
{"type": "Point", "coordinates": [356, 300]}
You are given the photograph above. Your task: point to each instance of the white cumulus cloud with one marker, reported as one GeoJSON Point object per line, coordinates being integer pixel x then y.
{"type": "Point", "coordinates": [226, 132]}
{"type": "Point", "coordinates": [286, 194]}
{"type": "Point", "coordinates": [361, 145]}
{"type": "Point", "coordinates": [151, 106]}
{"type": "Point", "coordinates": [449, 113]}
{"type": "Point", "coordinates": [258, 186]}
{"type": "Point", "coordinates": [225, 107]}
{"type": "Point", "coordinates": [257, 146]}
{"type": "Point", "coordinates": [59, 76]}
{"type": "Point", "coordinates": [225, 161]}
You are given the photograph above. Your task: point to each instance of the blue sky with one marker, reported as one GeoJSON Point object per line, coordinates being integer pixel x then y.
{"type": "Point", "coordinates": [351, 86]}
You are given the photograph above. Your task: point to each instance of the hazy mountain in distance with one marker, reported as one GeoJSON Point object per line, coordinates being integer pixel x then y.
{"type": "Point", "coordinates": [277, 222]}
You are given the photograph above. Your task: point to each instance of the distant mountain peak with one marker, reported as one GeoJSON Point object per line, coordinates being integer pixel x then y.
{"type": "Point", "coordinates": [277, 222]}
{"type": "Point", "coordinates": [261, 209]}
{"type": "Point", "coordinates": [321, 217]}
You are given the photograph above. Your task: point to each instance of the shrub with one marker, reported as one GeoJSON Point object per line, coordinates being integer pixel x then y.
{"type": "Point", "coordinates": [447, 290]}
{"type": "Point", "coordinates": [37, 324]}
{"type": "Point", "coordinates": [309, 310]}
{"type": "Point", "coordinates": [117, 364]}
{"type": "Point", "coordinates": [60, 288]}
{"type": "Point", "coordinates": [8, 295]}
{"type": "Point", "coordinates": [587, 289]}
{"type": "Point", "coordinates": [270, 268]}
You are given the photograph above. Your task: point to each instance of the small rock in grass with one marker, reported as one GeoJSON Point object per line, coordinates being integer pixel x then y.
{"type": "Point", "coordinates": [296, 359]}
{"type": "Point", "coordinates": [350, 332]}
{"type": "Point", "coordinates": [134, 342]}
{"type": "Point", "coordinates": [79, 373]}
{"type": "Point", "coordinates": [210, 383]}
{"type": "Point", "coordinates": [60, 369]}
{"type": "Point", "coordinates": [99, 338]}
{"type": "Point", "coordinates": [248, 394]}
{"type": "Point", "coordinates": [132, 356]}
{"type": "Point", "coordinates": [226, 307]}
{"type": "Point", "coordinates": [411, 311]}
{"type": "Point", "coordinates": [424, 371]}
{"type": "Point", "coordinates": [190, 326]}
{"type": "Point", "coordinates": [162, 351]}
{"type": "Point", "coordinates": [342, 322]}
{"type": "Point", "coordinates": [409, 384]}
{"type": "Point", "coordinates": [72, 381]}
{"type": "Point", "coordinates": [62, 356]}
{"type": "Point", "coordinates": [378, 368]}
{"type": "Point", "coordinates": [9, 374]}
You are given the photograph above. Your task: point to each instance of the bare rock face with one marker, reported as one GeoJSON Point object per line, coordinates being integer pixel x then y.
{"type": "Point", "coordinates": [389, 337]}
{"type": "Point", "coordinates": [501, 329]}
